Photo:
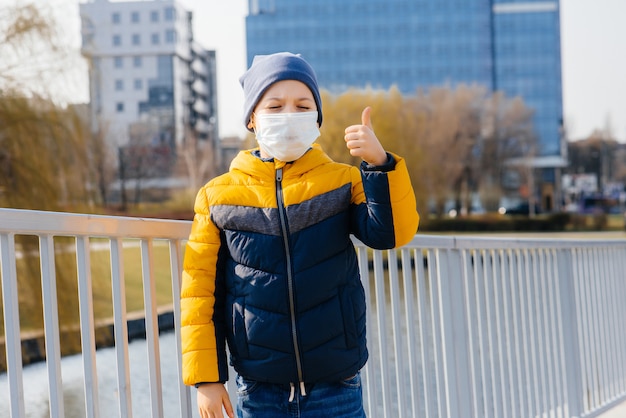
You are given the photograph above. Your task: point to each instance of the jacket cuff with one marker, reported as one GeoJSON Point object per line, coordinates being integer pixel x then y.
{"type": "Point", "coordinates": [197, 385]}
{"type": "Point", "coordinates": [388, 166]}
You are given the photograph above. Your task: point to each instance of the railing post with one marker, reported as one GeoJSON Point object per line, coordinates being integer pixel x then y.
{"type": "Point", "coordinates": [12, 340]}
{"type": "Point", "coordinates": [184, 393]}
{"type": "Point", "coordinates": [568, 300]}
{"type": "Point", "coordinates": [451, 283]}
{"type": "Point", "coordinates": [379, 289]}
{"type": "Point", "coordinates": [152, 327]}
{"type": "Point", "coordinates": [120, 327]}
{"type": "Point", "coordinates": [51, 325]}
{"type": "Point", "coordinates": [87, 326]}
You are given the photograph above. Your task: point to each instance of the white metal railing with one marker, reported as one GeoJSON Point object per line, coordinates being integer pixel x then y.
{"type": "Point", "coordinates": [502, 328]}
{"type": "Point", "coordinates": [463, 327]}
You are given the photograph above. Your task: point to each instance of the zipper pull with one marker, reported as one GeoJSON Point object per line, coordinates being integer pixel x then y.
{"type": "Point", "coordinates": [279, 174]}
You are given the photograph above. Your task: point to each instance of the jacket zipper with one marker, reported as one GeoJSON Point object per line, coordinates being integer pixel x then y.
{"type": "Point", "coordinates": [292, 304]}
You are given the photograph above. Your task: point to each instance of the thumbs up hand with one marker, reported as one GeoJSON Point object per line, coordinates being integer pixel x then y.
{"type": "Point", "coordinates": [362, 142]}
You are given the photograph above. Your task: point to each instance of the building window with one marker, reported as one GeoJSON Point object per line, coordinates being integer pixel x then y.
{"type": "Point", "coordinates": [170, 36]}
{"type": "Point", "coordinates": [116, 18]}
{"type": "Point", "coordinates": [119, 85]}
{"type": "Point", "coordinates": [138, 84]}
{"type": "Point", "coordinates": [136, 39]}
{"type": "Point", "coordinates": [154, 16]}
{"type": "Point", "coordinates": [117, 40]}
{"type": "Point", "coordinates": [137, 62]}
{"type": "Point", "coordinates": [119, 107]}
{"type": "Point", "coordinates": [170, 14]}
{"type": "Point", "coordinates": [134, 17]}
{"type": "Point", "coordinates": [119, 62]}
{"type": "Point", "coordinates": [155, 39]}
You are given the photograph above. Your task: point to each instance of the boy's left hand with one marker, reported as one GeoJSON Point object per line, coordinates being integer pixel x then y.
{"type": "Point", "coordinates": [362, 142]}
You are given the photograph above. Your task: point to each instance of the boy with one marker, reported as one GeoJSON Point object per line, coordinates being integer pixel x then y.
{"type": "Point", "coordinates": [270, 267]}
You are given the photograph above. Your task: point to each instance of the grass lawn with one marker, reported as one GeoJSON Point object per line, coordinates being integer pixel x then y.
{"type": "Point", "coordinates": [29, 282]}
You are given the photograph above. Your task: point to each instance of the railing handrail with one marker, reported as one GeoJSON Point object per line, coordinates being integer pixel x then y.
{"type": "Point", "coordinates": [502, 327]}
{"type": "Point", "coordinates": [472, 242]}
{"type": "Point", "coordinates": [35, 222]}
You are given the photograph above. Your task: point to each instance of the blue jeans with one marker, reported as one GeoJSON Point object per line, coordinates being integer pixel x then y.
{"type": "Point", "coordinates": [343, 399]}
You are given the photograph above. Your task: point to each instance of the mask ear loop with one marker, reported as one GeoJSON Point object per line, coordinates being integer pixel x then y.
{"type": "Point", "coordinates": [256, 135]}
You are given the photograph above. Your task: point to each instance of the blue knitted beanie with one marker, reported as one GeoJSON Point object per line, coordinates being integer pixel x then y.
{"type": "Point", "coordinates": [267, 70]}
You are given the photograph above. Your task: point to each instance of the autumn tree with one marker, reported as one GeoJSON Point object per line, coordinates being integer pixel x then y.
{"type": "Point", "coordinates": [455, 141]}
{"type": "Point", "coordinates": [340, 112]}
{"type": "Point", "coordinates": [42, 155]}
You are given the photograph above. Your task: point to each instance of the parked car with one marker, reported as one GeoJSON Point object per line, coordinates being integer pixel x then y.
{"type": "Point", "coordinates": [521, 209]}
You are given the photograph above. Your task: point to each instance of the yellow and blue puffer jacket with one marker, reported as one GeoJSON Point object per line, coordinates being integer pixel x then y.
{"type": "Point", "coordinates": [270, 268]}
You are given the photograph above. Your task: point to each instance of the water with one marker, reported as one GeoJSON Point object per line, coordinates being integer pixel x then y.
{"type": "Point", "coordinates": [36, 398]}
{"type": "Point", "coordinates": [36, 383]}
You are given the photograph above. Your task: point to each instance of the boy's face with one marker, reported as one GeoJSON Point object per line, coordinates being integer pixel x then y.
{"type": "Point", "coordinates": [286, 96]}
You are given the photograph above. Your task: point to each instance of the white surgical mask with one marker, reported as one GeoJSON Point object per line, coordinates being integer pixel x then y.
{"type": "Point", "coordinates": [286, 136]}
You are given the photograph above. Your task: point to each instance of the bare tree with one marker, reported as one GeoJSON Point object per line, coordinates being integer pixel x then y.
{"type": "Point", "coordinates": [42, 142]}
{"type": "Point", "coordinates": [102, 163]}
{"type": "Point", "coordinates": [598, 154]}
{"type": "Point", "coordinates": [507, 132]}
{"type": "Point", "coordinates": [23, 31]}
{"type": "Point", "coordinates": [37, 55]}
{"type": "Point", "coordinates": [199, 156]}
{"type": "Point", "coordinates": [450, 121]}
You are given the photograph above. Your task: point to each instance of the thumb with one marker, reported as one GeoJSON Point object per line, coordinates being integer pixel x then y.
{"type": "Point", "coordinates": [366, 117]}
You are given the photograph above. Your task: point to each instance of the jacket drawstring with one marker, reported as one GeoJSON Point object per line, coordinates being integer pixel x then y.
{"type": "Point", "coordinates": [292, 391]}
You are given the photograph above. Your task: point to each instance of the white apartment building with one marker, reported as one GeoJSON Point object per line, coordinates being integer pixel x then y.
{"type": "Point", "coordinates": [150, 82]}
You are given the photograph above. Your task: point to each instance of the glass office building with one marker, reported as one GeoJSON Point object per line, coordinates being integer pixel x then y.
{"type": "Point", "coordinates": [512, 46]}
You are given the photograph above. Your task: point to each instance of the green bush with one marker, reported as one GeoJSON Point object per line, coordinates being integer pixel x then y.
{"type": "Point", "coordinates": [492, 223]}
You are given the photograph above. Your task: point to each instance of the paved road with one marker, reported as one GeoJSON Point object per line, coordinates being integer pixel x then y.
{"type": "Point", "coordinates": [618, 412]}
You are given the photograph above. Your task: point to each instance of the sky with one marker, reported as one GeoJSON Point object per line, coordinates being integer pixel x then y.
{"type": "Point", "coordinates": [593, 40]}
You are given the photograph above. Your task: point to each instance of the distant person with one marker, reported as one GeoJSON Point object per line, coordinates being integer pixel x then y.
{"type": "Point", "coordinates": [270, 266]}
